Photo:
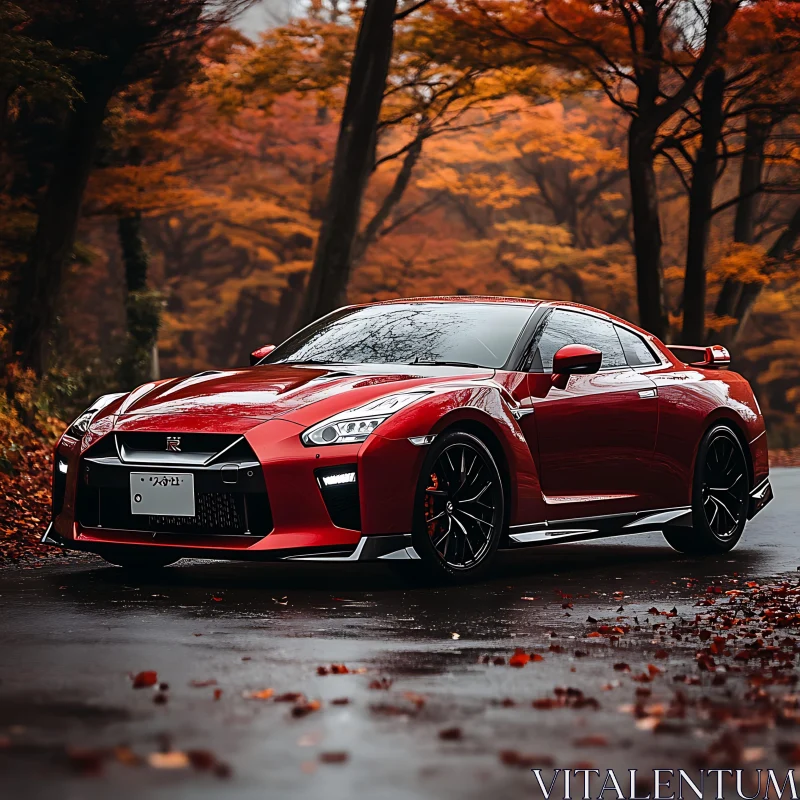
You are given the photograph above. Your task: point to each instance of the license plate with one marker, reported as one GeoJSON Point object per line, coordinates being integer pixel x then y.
{"type": "Point", "coordinates": [162, 495]}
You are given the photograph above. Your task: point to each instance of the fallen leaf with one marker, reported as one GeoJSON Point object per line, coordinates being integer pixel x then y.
{"type": "Point", "coordinates": [513, 758]}
{"type": "Point", "coordinates": [201, 759]}
{"type": "Point", "coordinates": [143, 680]}
{"type": "Point", "coordinates": [261, 694]}
{"type": "Point", "coordinates": [417, 699]}
{"type": "Point", "coordinates": [289, 697]}
{"type": "Point", "coordinates": [124, 755]}
{"type": "Point", "coordinates": [335, 757]}
{"type": "Point", "coordinates": [451, 734]}
{"type": "Point", "coordinates": [519, 659]}
{"type": "Point", "coordinates": [174, 759]}
{"type": "Point", "coordinates": [304, 709]}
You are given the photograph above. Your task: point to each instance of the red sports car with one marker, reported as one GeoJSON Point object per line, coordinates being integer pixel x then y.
{"type": "Point", "coordinates": [437, 430]}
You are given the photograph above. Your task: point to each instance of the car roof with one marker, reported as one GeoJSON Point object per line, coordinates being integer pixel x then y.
{"type": "Point", "coordinates": [461, 298]}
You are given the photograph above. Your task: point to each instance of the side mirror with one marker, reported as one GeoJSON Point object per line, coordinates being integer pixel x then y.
{"type": "Point", "coordinates": [262, 352]}
{"type": "Point", "coordinates": [575, 359]}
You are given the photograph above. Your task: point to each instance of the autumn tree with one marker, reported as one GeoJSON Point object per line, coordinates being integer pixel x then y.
{"type": "Point", "coordinates": [353, 159]}
{"type": "Point", "coordinates": [119, 44]}
{"type": "Point", "coordinates": [648, 58]}
{"type": "Point", "coordinates": [747, 93]}
{"type": "Point", "coordinates": [427, 94]}
{"type": "Point", "coordinates": [763, 105]}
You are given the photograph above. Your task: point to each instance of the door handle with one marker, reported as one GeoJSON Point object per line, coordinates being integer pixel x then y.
{"type": "Point", "coordinates": [644, 393]}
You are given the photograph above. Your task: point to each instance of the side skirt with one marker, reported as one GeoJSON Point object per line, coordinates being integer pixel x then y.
{"type": "Point", "coordinates": [585, 528]}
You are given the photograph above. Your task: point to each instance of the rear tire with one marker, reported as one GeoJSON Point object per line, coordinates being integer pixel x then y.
{"type": "Point", "coordinates": [720, 492]}
{"type": "Point", "coordinates": [459, 509]}
{"type": "Point", "coordinates": [139, 562]}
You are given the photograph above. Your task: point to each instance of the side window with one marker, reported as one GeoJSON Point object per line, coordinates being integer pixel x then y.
{"type": "Point", "coordinates": [571, 327]}
{"type": "Point", "coordinates": [636, 349]}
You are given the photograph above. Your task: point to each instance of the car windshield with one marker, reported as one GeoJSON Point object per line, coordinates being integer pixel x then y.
{"type": "Point", "coordinates": [469, 334]}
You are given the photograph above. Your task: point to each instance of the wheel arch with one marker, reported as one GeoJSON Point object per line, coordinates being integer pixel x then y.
{"type": "Point", "coordinates": [495, 446]}
{"type": "Point", "coordinates": [732, 425]}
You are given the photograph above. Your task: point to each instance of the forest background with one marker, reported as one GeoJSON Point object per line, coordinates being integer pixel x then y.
{"type": "Point", "coordinates": [174, 194]}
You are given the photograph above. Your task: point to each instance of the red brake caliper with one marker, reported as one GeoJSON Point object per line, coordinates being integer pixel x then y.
{"type": "Point", "coordinates": [429, 508]}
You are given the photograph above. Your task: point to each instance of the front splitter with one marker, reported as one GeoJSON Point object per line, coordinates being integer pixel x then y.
{"type": "Point", "coordinates": [369, 548]}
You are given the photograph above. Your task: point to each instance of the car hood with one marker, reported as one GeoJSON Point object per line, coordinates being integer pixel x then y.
{"type": "Point", "coordinates": [274, 390]}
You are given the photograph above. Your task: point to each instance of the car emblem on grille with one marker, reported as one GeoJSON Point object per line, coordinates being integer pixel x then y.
{"type": "Point", "coordinates": [174, 444]}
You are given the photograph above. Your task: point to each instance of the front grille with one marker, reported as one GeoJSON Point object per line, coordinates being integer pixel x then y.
{"type": "Point", "coordinates": [216, 513]}
{"type": "Point", "coordinates": [230, 495]}
{"type": "Point", "coordinates": [213, 511]}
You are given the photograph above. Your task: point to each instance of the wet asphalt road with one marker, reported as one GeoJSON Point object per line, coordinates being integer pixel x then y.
{"type": "Point", "coordinates": [70, 634]}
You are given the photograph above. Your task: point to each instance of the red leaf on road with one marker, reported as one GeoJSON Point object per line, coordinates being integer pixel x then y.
{"type": "Point", "coordinates": [519, 659]}
{"type": "Point", "coordinates": [142, 680]}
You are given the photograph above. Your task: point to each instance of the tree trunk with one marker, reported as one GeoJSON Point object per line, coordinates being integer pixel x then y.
{"type": "Point", "coordinates": [135, 257]}
{"type": "Point", "coordinates": [290, 298]}
{"type": "Point", "coordinates": [142, 307]}
{"type": "Point", "coordinates": [393, 197]}
{"type": "Point", "coordinates": [353, 161]}
{"type": "Point", "coordinates": [646, 229]}
{"type": "Point", "coordinates": [701, 198]}
{"type": "Point", "coordinates": [756, 134]}
{"type": "Point", "coordinates": [750, 291]}
{"type": "Point", "coordinates": [57, 225]}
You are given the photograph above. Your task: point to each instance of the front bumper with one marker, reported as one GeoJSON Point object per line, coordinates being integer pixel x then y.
{"type": "Point", "coordinates": [392, 547]}
{"type": "Point", "coordinates": [299, 514]}
{"type": "Point", "coordinates": [759, 497]}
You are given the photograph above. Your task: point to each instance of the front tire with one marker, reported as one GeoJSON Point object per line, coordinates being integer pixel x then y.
{"type": "Point", "coordinates": [720, 491]}
{"type": "Point", "coordinates": [459, 508]}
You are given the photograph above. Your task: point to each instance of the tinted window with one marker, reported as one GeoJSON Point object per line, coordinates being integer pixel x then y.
{"type": "Point", "coordinates": [636, 350]}
{"type": "Point", "coordinates": [570, 327]}
{"type": "Point", "coordinates": [407, 333]}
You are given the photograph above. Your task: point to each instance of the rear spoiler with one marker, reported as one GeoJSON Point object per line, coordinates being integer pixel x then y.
{"type": "Point", "coordinates": [713, 357]}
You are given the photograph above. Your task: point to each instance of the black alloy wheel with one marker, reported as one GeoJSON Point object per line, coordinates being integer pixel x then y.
{"type": "Point", "coordinates": [460, 507]}
{"type": "Point", "coordinates": [724, 487]}
{"type": "Point", "coordinates": [720, 495]}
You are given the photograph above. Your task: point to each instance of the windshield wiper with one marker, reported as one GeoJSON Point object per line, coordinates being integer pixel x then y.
{"type": "Point", "coordinates": [416, 361]}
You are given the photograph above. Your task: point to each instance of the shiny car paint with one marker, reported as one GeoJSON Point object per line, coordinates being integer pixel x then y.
{"type": "Point", "coordinates": [619, 443]}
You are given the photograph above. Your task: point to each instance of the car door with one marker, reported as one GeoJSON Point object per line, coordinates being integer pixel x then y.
{"type": "Point", "coordinates": [596, 436]}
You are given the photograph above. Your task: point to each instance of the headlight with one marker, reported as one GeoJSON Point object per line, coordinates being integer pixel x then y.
{"type": "Point", "coordinates": [78, 428]}
{"type": "Point", "coordinates": [357, 423]}
{"type": "Point", "coordinates": [81, 425]}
